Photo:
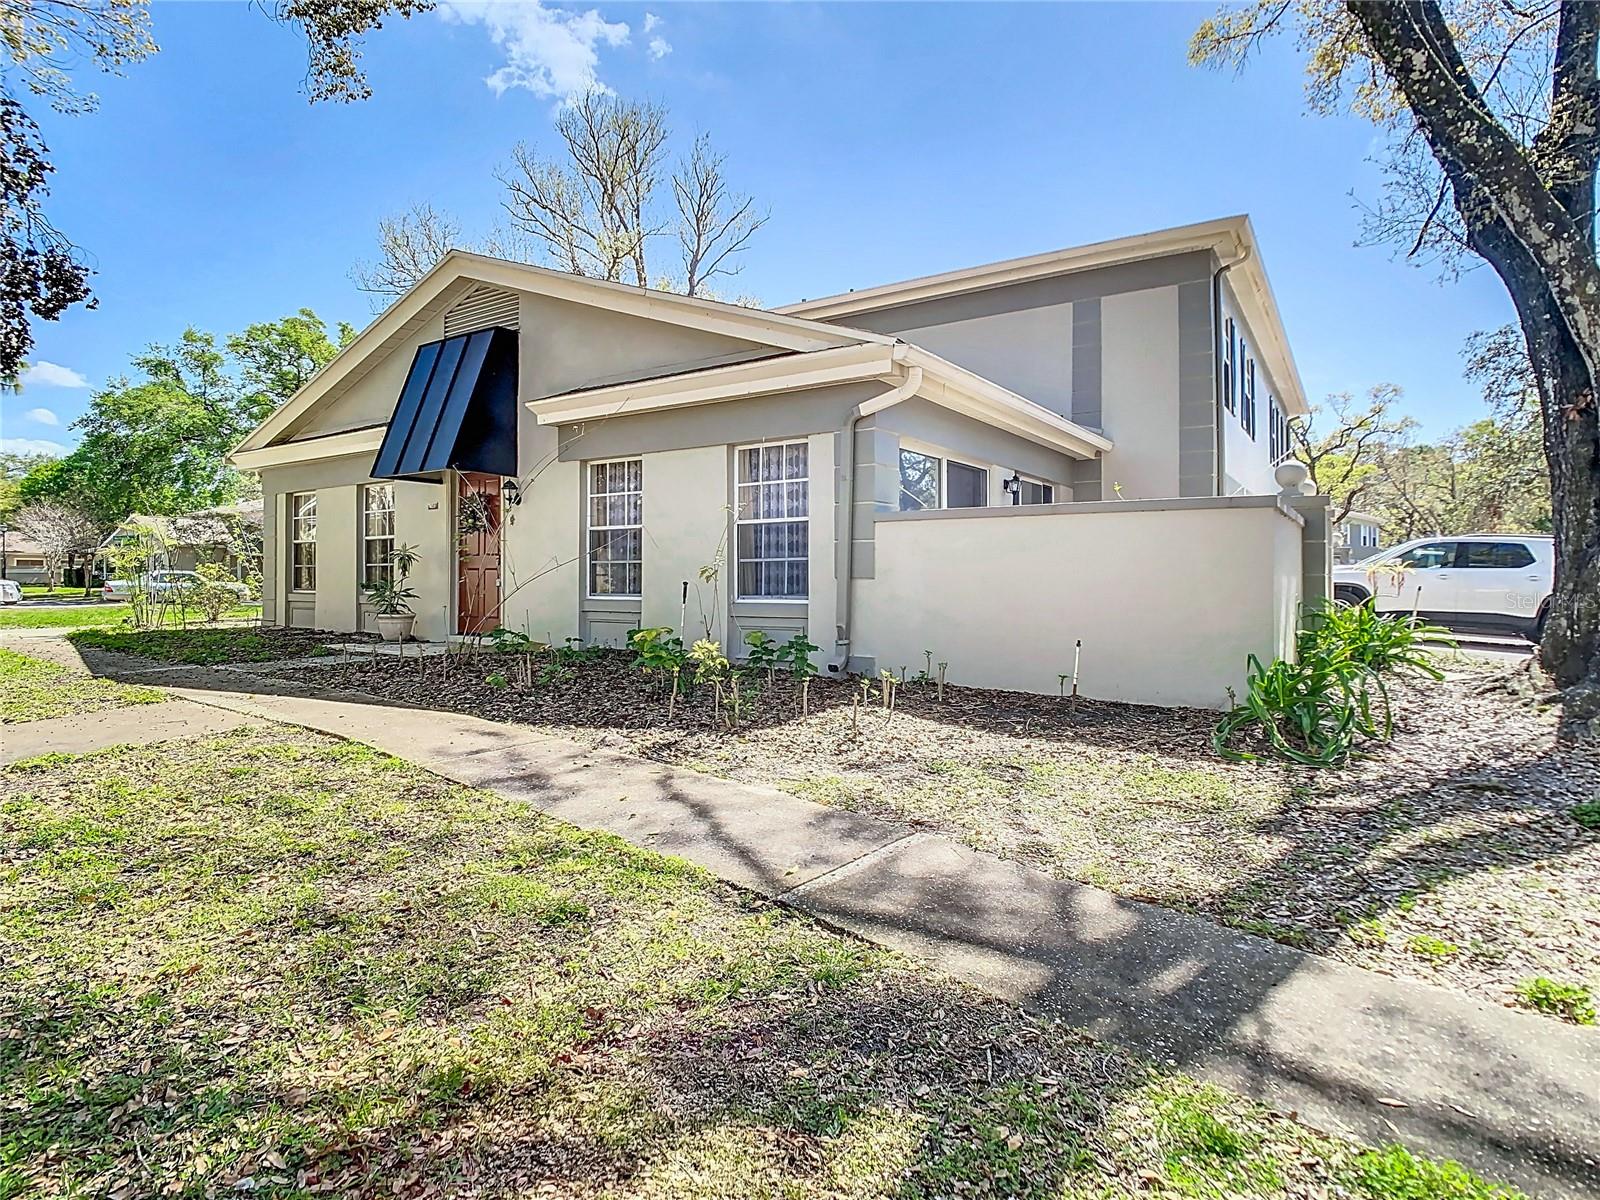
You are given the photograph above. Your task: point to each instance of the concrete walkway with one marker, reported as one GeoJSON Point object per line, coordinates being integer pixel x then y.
{"type": "Point", "coordinates": [1513, 1095]}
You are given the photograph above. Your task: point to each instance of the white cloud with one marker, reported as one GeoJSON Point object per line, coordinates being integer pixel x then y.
{"type": "Point", "coordinates": [549, 51]}
{"type": "Point", "coordinates": [49, 374]}
{"type": "Point", "coordinates": [659, 48]}
{"type": "Point", "coordinates": [31, 446]}
{"type": "Point", "coordinates": [651, 21]}
{"type": "Point", "coordinates": [42, 416]}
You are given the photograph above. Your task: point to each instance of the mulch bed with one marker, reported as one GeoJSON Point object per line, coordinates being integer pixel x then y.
{"type": "Point", "coordinates": [1450, 855]}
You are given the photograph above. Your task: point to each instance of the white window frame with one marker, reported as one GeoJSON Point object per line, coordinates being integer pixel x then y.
{"type": "Point", "coordinates": [590, 528]}
{"type": "Point", "coordinates": [738, 521]}
{"type": "Point", "coordinates": [1229, 357]}
{"type": "Point", "coordinates": [384, 565]}
{"type": "Point", "coordinates": [1016, 496]}
{"type": "Point", "coordinates": [295, 540]}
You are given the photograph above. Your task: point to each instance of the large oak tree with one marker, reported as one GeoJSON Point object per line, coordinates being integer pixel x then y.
{"type": "Point", "coordinates": [1494, 110]}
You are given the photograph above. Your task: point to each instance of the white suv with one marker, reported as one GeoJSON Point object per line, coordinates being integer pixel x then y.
{"type": "Point", "coordinates": [1479, 582]}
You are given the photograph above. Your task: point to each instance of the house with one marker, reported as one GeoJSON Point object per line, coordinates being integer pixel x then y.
{"type": "Point", "coordinates": [24, 559]}
{"type": "Point", "coordinates": [982, 468]}
{"type": "Point", "coordinates": [1356, 537]}
{"type": "Point", "coordinates": [229, 534]}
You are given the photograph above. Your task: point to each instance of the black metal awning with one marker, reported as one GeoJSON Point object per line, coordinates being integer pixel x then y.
{"type": "Point", "coordinates": [457, 410]}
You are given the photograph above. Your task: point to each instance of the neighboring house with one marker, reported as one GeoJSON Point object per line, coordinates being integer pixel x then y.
{"type": "Point", "coordinates": [229, 534]}
{"type": "Point", "coordinates": [931, 466]}
{"type": "Point", "coordinates": [1356, 537]}
{"type": "Point", "coordinates": [24, 560]}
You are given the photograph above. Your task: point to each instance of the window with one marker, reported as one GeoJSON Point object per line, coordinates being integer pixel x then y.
{"type": "Point", "coordinates": [1434, 556]}
{"type": "Point", "coordinates": [28, 564]}
{"type": "Point", "coordinates": [1277, 430]}
{"type": "Point", "coordinates": [919, 481]}
{"type": "Point", "coordinates": [1248, 406]}
{"type": "Point", "coordinates": [1031, 491]}
{"type": "Point", "coordinates": [1503, 556]}
{"type": "Point", "coordinates": [928, 481]}
{"type": "Point", "coordinates": [303, 542]}
{"type": "Point", "coordinates": [1227, 364]}
{"type": "Point", "coordinates": [616, 528]}
{"type": "Point", "coordinates": [771, 531]}
{"type": "Point", "coordinates": [377, 533]}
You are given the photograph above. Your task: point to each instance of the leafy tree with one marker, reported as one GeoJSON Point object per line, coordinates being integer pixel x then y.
{"type": "Point", "coordinates": [42, 273]}
{"type": "Point", "coordinates": [14, 468]}
{"type": "Point", "coordinates": [1343, 443]}
{"type": "Point", "coordinates": [1493, 112]}
{"type": "Point", "coordinates": [277, 358]}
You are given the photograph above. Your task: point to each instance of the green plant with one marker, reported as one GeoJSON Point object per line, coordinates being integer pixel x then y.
{"type": "Point", "coordinates": [511, 641]}
{"type": "Point", "coordinates": [797, 652]}
{"type": "Point", "coordinates": [1586, 814]}
{"type": "Point", "coordinates": [708, 660]}
{"type": "Point", "coordinates": [658, 649]}
{"type": "Point", "coordinates": [1319, 709]}
{"type": "Point", "coordinates": [761, 653]}
{"type": "Point", "coordinates": [214, 592]}
{"type": "Point", "coordinates": [1569, 1001]}
{"type": "Point", "coordinates": [497, 679]}
{"type": "Point", "coordinates": [390, 596]}
{"type": "Point", "coordinates": [1425, 945]}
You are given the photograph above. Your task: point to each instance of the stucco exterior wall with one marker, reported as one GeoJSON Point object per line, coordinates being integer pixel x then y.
{"type": "Point", "coordinates": [1139, 399]}
{"type": "Point", "coordinates": [1247, 461]}
{"type": "Point", "coordinates": [1169, 598]}
{"type": "Point", "coordinates": [1028, 350]}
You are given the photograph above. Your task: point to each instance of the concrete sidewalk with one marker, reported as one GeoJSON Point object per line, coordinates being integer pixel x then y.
{"type": "Point", "coordinates": [1380, 1059]}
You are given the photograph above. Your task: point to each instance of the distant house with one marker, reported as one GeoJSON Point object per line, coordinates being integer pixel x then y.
{"type": "Point", "coordinates": [1357, 536]}
{"type": "Point", "coordinates": [229, 534]}
{"type": "Point", "coordinates": [24, 560]}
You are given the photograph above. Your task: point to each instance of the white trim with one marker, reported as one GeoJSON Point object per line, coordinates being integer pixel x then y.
{"type": "Point", "coordinates": [792, 372]}
{"type": "Point", "coordinates": [589, 527]}
{"type": "Point", "coordinates": [335, 445]}
{"type": "Point", "coordinates": [945, 458]}
{"type": "Point", "coordinates": [454, 276]}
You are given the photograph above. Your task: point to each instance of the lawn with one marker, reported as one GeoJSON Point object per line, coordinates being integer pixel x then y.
{"type": "Point", "coordinates": [275, 963]}
{"type": "Point", "coordinates": [81, 615]}
{"type": "Point", "coordinates": [1458, 855]}
{"type": "Point", "coordinates": [32, 689]}
{"type": "Point", "coordinates": [206, 646]}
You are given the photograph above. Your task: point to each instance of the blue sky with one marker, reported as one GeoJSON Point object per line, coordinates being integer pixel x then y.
{"type": "Point", "coordinates": [887, 140]}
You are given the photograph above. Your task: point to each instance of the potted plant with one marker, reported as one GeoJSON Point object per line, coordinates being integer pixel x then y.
{"type": "Point", "coordinates": [391, 597]}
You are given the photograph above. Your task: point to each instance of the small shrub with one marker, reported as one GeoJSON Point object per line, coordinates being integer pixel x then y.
{"type": "Point", "coordinates": [797, 652]}
{"type": "Point", "coordinates": [1426, 946]}
{"type": "Point", "coordinates": [1586, 814]}
{"type": "Point", "coordinates": [497, 680]}
{"type": "Point", "coordinates": [657, 650]}
{"type": "Point", "coordinates": [708, 660]}
{"type": "Point", "coordinates": [761, 652]}
{"type": "Point", "coordinates": [1569, 1001]}
{"type": "Point", "coordinates": [1370, 932]}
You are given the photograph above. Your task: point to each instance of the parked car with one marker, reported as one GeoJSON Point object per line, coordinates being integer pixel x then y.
{"type": "Point", "coordinates": [10, 591]}
{"type": "Point", "coordinates": [1479, 583]}
{"type": "Point", "coordinates": [162, 584]}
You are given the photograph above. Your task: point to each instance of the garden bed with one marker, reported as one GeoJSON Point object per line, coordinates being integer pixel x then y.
{"type": "Point", "coordinates": [1455, 854]}
{"type": "Point", "coordinates": [272, 963]}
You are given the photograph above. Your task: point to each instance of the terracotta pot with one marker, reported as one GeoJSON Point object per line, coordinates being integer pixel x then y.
{"type": "Point", "coordinates": [395, 627]}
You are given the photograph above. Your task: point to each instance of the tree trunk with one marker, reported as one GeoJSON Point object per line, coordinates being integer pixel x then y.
{"type": "Point", "coordinates": [1539, 239]}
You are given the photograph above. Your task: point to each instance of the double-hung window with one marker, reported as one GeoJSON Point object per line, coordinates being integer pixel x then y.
{"type": "Point", "coordinates": [1249, 405]}
{"type": "Point", "coordinates": [303, 542]}
{"type": "Point", "coordinates": [377, 533]}
{"type": "Point", "coordinates": [772, 509]}
{"type": "Point", "coordinates": [1229, 354]}
{"type": "Point", "coordinates": [616, 528]}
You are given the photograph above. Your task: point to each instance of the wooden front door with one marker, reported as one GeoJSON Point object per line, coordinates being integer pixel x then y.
{"type": "Point", "coordinates": [478, 516]}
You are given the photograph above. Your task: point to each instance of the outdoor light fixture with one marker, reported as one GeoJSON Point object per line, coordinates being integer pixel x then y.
{"type": "Point", "coordinates": [1013, 486]}
{"type": "Point", "coordinates": [511, 493]}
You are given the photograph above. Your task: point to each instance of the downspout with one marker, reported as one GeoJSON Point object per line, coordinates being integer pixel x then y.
{"type": "Point", "coordinates": [845, 524]}
{"type": "Point", "coordinates": [1216, 347]}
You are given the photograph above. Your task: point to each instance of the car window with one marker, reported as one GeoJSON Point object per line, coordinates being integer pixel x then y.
{"type": "Point", "coordinates": [1430, 556]}
{"type": "Point", "coordinates": [1495, 555]}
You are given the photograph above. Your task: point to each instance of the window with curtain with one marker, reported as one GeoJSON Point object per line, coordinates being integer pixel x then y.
{"type": "Point", "coordinates": [377, 533]}
{"type": "Point", "coordinates": [303, 542]}
{"type": "Point", "coordinates": [616, 528]}
{"type": "Point", "coordinates": [772, 508]}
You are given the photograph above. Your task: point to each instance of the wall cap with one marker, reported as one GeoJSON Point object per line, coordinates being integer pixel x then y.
{"type": "Point", "coordinates": [1108, 507]}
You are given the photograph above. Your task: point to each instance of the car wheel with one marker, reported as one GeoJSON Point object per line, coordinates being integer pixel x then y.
{"type": "Point", "coordinates": [1535, 632]}
{"type": "Point", "coordinates": [1350, 597]}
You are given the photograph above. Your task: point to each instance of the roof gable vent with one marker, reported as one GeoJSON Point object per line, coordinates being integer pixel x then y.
{"type": "Point", "coordinates": [484, 307]}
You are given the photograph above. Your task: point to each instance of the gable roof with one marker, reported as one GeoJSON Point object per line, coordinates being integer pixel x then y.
{"type": "Point", "coordinates": [1231, 239]}
{"type": "Point", "coordinates": [460, 272]}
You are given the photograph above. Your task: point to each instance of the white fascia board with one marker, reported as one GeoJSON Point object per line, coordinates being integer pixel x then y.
{"type": "Point", "coordinates": [333, 445]}
{"type": "Point", "coordinates": [963, 391]}
{"type": "Point", "coordinates": [790, 373]}
{"type": "Point", "coordinates": [413, 308]}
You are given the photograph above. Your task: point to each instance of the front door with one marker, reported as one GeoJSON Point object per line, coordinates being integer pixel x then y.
{"type": "Point", "coordinates": [478, 559]}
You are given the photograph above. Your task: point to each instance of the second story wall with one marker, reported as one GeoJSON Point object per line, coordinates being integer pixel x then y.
{"type": "Point", "coordinates": [1126, 349]}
